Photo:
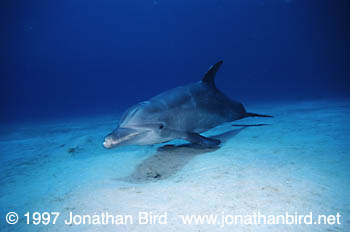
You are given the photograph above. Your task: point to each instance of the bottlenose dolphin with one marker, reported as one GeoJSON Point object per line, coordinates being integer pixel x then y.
{"type": "Point", "coordinates": [179, 113]}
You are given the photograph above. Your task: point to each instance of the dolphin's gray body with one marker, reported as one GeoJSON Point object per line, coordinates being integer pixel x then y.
{"type": "Point", "coordinates": [180, 113]}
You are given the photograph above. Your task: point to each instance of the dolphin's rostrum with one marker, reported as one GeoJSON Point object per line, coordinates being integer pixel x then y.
{"type": "Point", "coordinates": [179, 113]}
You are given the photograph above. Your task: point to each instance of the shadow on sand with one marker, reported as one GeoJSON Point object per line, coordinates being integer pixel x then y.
{"type": "Point", "coordinates": [169, 159]}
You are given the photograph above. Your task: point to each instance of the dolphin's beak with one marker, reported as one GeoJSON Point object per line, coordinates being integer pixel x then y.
{"type": "Point", "coordinates": [120, 136]}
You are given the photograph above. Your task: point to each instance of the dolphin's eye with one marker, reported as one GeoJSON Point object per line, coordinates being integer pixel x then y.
{"type": "Point", "coordinates": [161, 126]}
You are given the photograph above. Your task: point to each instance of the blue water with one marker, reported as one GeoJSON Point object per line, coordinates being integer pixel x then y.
{"type": "Point", "coordinates": [79, 57]}
{"type": "Point", "coordinates": [70, 68]}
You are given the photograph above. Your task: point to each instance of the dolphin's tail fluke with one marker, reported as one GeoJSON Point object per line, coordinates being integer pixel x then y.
{"type": "Point", "coordinates": [257, 115]}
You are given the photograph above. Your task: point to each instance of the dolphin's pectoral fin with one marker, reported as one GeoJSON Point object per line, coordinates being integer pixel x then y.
{"type": "Point", "coordinates": [201, 140]}
{"type": "Point", "coordinates": [195, 138]}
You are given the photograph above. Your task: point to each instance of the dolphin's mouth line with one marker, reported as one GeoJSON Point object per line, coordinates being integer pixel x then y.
{"type": "Point", "coordinates": [111, 143]}
{"type": "Point", "coordinates": [127, 137]}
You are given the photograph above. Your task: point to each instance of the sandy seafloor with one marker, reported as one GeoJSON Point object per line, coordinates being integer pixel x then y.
{"type": "Point", "coordinates": [300, 162]}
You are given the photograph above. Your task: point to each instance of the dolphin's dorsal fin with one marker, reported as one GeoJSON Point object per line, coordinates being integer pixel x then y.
{"type": "Point", "coordinates": [210, 75]}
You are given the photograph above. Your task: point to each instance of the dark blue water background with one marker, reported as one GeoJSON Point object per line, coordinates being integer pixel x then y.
{"type": "Point", "coordinates": [81, 57]}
